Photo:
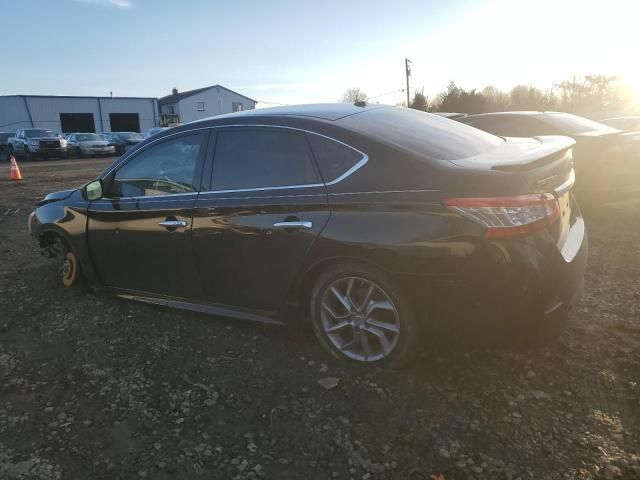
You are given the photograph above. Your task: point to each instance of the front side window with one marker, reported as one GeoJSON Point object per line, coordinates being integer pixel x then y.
{"type": "Point", "coordinates": [261, 157]}
{"type": "Point", "coordinates": [163, 169]}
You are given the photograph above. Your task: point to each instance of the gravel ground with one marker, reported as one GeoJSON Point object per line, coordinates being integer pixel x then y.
{"type": "Point", "coordinates": [96, 387]}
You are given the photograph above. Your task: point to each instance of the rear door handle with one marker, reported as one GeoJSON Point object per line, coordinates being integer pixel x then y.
{"type": "Point", "coordinates": [173, 224]}
{"type": "Point", "coordinates": [293, 224]}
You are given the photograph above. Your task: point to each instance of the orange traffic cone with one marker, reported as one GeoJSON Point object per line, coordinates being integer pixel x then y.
{"type": "Point", "coordinates": [14, 173]}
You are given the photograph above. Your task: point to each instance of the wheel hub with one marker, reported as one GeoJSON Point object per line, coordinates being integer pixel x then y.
{"type": "Point", "coordinates": [66, 268]}
{"type": "Point", "coordinates": [359, 319]}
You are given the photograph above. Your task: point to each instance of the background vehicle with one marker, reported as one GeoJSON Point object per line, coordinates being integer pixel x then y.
{"type": "Point", "coordinates": [89, 144]}
{"type": "Point", "coordinates": [31, 143]}
{"type": "Point", "coordinates": [451, 115]}
{"type": "Point", "coordinates": [606, 159]}
{"type": "Point", "coordinates": [380, 221]}
{"type": "Point", "coordinates": [623, 123]}
{"type": "Point", "coordinates": [4, 136]}
{"type": "Point", "coordinates": [123, 141]}
{"type": "Point", "coordinates": [155, 130]}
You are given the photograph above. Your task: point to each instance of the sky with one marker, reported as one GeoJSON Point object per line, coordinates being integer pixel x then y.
{"type": "Point", "coordinates": [308, 51]}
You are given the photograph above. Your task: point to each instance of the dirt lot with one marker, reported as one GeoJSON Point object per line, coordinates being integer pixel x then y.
{"type": "Point", "coordinates": [96, 387]}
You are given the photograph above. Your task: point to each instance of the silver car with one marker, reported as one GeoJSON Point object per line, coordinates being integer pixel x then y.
{"type": "Point", "coordinates": [89, 144]}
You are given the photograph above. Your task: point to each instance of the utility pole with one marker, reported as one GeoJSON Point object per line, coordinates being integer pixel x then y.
{"type": "Point", "coordinates": [407, 70]}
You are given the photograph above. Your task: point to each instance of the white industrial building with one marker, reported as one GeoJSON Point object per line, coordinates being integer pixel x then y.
{"type": "Point", "coordinates": [184, 107]}
{"type": "Point", "coordinates": [62, 114]}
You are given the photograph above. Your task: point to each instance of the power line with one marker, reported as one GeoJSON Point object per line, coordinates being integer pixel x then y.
{"type": "Point", "coordinates": [387, 93]}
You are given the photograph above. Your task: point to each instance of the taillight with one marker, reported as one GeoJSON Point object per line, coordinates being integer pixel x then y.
{"type": "Point", "coordinates": [504, 217]}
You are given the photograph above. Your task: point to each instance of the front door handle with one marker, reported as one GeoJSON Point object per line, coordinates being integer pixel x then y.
{"type": "Point", "coordinates": [293, 224]}
{"type": "Point", "coordinates": [173, 224]}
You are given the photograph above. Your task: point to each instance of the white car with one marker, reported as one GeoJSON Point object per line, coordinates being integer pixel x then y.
{"type": "Point", "coordinates": [88, 144]}
{"type": "Point", "coordinates": [623, 123]}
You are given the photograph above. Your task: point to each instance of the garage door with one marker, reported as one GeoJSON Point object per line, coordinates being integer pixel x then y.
{"type": "Point", "coordinates": [77, 122]}
{"type": "Point", "coordinates": [124, 122]}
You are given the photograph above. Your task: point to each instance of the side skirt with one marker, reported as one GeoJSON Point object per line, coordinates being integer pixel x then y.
{"type": "Point", "coordinates": [210, 309]}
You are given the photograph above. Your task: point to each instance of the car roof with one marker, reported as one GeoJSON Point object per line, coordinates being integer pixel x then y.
{"type": "Point", "coordinates": [322, 111]}
{"type": "Point", "coordinates": [514, 112]}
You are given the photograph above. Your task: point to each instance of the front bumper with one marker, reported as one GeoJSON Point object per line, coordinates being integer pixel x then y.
{"type": "Point", "coordinates": [98, 150]}
{"type": "Point", "coordinates": [40, 151]}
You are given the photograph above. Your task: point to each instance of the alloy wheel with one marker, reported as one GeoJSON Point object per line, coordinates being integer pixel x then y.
{"type": "Point", "coordinates": [359, 319]}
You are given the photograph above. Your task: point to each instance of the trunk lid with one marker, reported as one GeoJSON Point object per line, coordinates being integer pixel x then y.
{"type": "Point", "coordinates": [545, 163]}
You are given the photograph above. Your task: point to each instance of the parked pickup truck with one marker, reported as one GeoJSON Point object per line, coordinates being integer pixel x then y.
{"type": "Point", "coordinates": [32, 143]}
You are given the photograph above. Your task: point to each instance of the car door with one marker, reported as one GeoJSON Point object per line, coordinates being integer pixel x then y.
{"type": "Point", "coordinates": [139, 234]}
{"type": "Point", "coordinates": [254, 228]}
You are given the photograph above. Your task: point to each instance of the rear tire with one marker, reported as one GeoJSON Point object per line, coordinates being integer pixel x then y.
{"type": "Point", "coordinates": [358, 314]}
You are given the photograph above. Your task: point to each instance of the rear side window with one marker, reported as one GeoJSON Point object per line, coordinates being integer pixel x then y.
{"type": "Point", "coordinates": [333, 158]}
{"type": "Point", "coordinates": [426, 134]}
{"type": "Point", "coordinates": [261, 157]}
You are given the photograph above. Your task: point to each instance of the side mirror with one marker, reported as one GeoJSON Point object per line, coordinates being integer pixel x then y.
{"type": "Point", "coordinates": [93, 190]}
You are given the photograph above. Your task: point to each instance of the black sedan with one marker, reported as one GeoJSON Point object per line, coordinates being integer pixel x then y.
{"type": "Point", "coordinates": [381, 222]}
{"type": "Point", "coordinates": [123, 141]}
{"type": "Point", "coordinates": [607, 160]}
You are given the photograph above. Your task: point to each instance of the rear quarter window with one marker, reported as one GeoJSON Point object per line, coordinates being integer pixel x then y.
{"type": "Point", "coordinates": [334, 159]}
{"type": "Point", "coordinates": [423, 133]}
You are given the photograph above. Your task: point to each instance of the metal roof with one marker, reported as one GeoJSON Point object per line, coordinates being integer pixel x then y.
{"type": "Point", "coordinates": [182, 95]}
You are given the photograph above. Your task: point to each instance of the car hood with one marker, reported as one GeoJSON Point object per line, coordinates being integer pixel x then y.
{"type": "Point", "coordinates": [44, 138]}
{"type": "Point", "coordinates": [56, 196]}
{"type": "Point", "coordinates": [517, 152]}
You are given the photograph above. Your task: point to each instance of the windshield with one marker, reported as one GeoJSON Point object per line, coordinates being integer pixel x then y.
{"type": "Point", "coordinates": [90, 137]}
{"type": "Point", "coordinates": [573, 124]}
{"type": "Point", "coordinates": [38, 133]}
{"type": "Point", "coordinates": [131, 136]}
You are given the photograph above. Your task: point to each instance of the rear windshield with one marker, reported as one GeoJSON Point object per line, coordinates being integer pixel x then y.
{"type": "Point", "coordinates": [573, 124]}
{"type": "Point", "coordinates": [423, 133]}
{"type": "Point", "coordinates": [90, 137]}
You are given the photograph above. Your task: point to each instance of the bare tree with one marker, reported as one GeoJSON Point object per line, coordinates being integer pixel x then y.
{"type": "Point", "coordinates": [353, 95]}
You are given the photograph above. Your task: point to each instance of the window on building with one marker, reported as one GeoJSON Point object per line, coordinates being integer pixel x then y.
{"type": "Point", "coordinates": [169, 110]}
{"type": "Point", "coordinates": [200, 106]}
{"type": "Point", "coordinates": [166, 168]}
{"type": "Point", "coordinates": [255, 157]}
{"type": "Point", "coordinates": [237, 106]}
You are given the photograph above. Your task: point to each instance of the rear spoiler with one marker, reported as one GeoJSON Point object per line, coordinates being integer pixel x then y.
{"type": "Point", "coordinates": [517, 154]}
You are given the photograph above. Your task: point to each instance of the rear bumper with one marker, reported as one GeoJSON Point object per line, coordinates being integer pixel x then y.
{"type": "Point", "coordinates": [508, 285]}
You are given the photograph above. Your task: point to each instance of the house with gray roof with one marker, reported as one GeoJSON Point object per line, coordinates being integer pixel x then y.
{"type": "Point", "coordinates": [185, 107]}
